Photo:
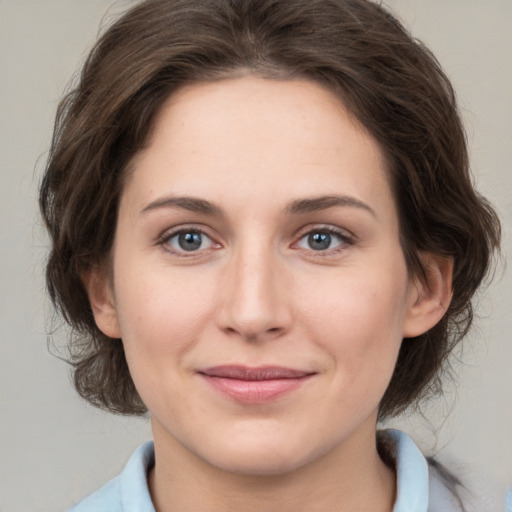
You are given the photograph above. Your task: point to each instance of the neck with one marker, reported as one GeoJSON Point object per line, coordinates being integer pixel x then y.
{"type": "Point", "coordinates": [350, 477]}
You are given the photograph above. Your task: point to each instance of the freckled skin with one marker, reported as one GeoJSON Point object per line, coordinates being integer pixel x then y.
{"type": "Point", "coordinates": [255, 292]}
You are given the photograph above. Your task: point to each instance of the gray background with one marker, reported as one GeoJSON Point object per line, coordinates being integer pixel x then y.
{"type": "Point", "coordinates": [54, 448]}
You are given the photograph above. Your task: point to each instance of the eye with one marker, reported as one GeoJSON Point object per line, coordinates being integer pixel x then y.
{"type": "Point", "coordinates": [323, 240]}
{"type": "Point", "coordinates": [187, 241]}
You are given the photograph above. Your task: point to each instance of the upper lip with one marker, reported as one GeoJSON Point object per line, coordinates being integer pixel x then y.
{"type": "Point", "coordinates": [254, 373]}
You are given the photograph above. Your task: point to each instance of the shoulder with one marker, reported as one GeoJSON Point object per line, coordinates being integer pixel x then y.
{"type": "Point", "coordinates": [471, 492]}
{"type": "Point", "coordinates": [445, 489]}
{"type": "Point", "coordinates": [128, 492]}
{"type": "Point", "coordinates": [425, 485]}
{"type": "Point", "coordinates": [108, 498]}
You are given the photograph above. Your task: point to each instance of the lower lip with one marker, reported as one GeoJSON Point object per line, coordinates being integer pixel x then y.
{"type": "Point", "coordinates": [255, 391]}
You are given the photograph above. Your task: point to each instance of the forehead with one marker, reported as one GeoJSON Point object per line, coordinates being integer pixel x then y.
{"type": "Point", "coordinates": [252, 135]}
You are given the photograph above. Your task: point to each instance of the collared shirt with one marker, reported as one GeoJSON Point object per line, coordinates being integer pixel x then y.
{"type": "Point", "coordinates": [508, 504]}
{"type": "Point", "coordinates": [420, 488]}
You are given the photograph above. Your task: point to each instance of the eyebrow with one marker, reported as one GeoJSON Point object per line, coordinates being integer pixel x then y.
{"type": "Point", "coordinates": [297, 207]}
{"type": "Point", "coordinates": [191, 204]}
{"type": "Point", "coordinates": [315, 204]}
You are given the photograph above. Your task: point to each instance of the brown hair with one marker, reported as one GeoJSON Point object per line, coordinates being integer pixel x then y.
{"type": "Point", "coordinates": [388, 80]}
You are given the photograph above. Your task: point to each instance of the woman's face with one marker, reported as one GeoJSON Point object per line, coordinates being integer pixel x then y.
{"type": "Point", "coordinates": [259, 285]}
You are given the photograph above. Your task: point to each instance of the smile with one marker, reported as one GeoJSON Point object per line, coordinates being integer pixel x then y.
{"type": "Point", "coordinates": [254, 385]}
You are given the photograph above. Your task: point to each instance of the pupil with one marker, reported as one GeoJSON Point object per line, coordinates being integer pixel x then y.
{"type": "Point", "coordinates": [320, 241]}
{"type": "Point", "coordinates": [189, 241]}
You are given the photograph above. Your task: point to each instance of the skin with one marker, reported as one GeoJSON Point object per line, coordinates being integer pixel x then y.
{"type": "Point", "coordinates": [256, 292]}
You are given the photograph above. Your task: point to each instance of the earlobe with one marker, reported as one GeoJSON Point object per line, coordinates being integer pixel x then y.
{"type": "Point", "coordinates": [99, 289]}
{"type": "Point", "coordinates": [430, 295]}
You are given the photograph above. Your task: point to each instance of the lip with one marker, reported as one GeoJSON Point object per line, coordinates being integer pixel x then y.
{"type": "Point", "coordinates": [254, 385]}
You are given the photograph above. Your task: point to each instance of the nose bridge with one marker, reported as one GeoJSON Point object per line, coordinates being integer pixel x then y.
{"type": "Point", "coordinates": [255, 303]}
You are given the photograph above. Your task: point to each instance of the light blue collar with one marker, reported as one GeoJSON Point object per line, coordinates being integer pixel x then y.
{"type": "Point", "coordinates": [135, 495]}
{"type": "Point", "coordinates": [412, 473]}
{"type": "Point", "coordinates": [411, 469]}
{"type": "Point", "coordinates": [129, 492]}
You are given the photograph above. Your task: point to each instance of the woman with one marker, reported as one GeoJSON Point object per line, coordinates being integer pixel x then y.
{"type": "Point", "coordinates": [265, 234]}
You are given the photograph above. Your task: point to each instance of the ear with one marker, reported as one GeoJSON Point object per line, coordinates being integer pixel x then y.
{"type": "Point", "coordinates": [98, 284]}
{"type": "Point", "coordinates": [430, 295]}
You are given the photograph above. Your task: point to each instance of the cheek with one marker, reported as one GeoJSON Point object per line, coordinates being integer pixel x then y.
{"type": "Point", "coordinates": [357, 322]}
{"type": "Point", "coordinates": [162, 318]}
{"type": "Point", "coordinates": [357, 317]}
{"type": "Point", "coordinates": [162, 312]}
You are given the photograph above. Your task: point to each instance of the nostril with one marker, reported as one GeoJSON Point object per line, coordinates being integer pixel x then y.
{"type": "Point", "coordinates": [253, 335]}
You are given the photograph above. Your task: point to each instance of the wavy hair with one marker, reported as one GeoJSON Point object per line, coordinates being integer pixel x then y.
{"type": "Point", "coordinates": [357, 49]}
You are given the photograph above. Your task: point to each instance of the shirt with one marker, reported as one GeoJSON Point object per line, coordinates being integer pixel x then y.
{"type": "Point", "coordinates": [420, 487]}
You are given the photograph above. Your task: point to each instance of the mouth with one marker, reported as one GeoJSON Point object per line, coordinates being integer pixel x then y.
{"type": "Point", "coordinates": [254, 385]}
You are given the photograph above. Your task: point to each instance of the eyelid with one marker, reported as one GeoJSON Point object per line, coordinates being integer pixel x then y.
{"type": "Point", "coordinates": [329, 228]}
{"type": "Point", "coordinates": [346, 237]}
{"type": "Point", "coordinates": [170, 233]}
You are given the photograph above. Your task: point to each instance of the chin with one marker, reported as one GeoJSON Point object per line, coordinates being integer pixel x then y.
{"type": "Point", "coordinates": [262, 463]}
{"type": "Point", "coordinates": [270, 456]}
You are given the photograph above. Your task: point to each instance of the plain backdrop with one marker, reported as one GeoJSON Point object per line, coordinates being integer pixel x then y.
{"type": "Point", "coordinates": [54, 448]}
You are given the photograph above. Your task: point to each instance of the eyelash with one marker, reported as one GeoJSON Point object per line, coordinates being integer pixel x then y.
{"type": "Point", "coordinates": [344, 240]}
{"type": "Point", "coordinates": [165, 239]}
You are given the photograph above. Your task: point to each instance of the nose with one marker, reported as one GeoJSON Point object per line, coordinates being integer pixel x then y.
{"type": "Point", "coordinates": [255, 303]}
